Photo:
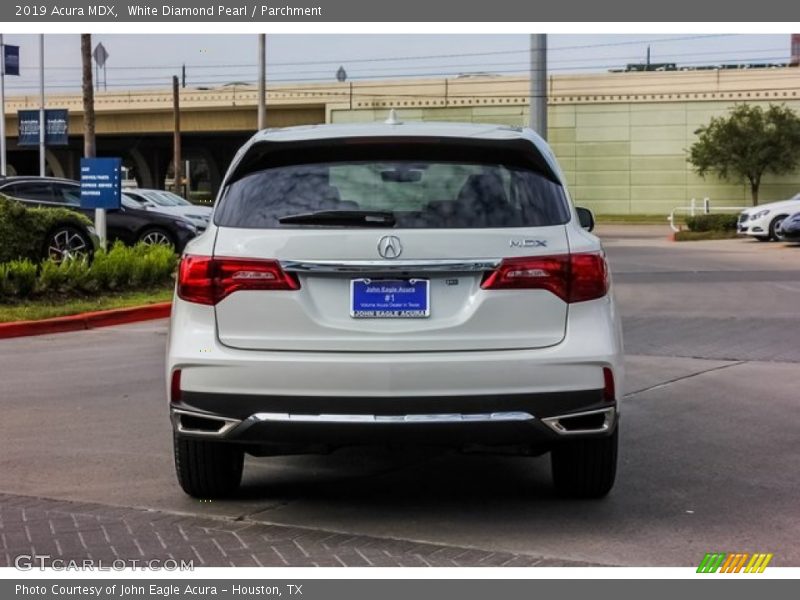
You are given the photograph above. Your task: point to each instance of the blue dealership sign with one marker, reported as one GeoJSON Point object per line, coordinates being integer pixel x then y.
{"type": "Point", "coordinates": [11, 60]}
{"type": "Point", "coordinates": [101, 182]}
{"type": "Point", "coordinates": [56, 131]}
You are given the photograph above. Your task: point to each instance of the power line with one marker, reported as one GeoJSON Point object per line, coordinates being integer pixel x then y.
{"type": "Point", "coordinates": [428, 56]}
{"type": "Point", "coordinates": [672, 75]}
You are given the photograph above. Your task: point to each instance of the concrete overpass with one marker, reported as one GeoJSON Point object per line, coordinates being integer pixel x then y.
{"type": "Point", "coordinates": [621, 137]}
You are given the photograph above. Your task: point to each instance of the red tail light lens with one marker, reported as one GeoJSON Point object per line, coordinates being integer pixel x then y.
{"type": "Point", "coordinates": [207, 280]}
{"type": "Point", "coordinates": [573, 278]}
{"type": "Point", "coordinates": [544, 273]}
{"type": "Point", "coordinates": [588, 277]}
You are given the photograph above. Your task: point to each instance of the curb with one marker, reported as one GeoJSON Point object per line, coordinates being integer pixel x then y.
{"type": "Point", "coordinates": [88, 320]}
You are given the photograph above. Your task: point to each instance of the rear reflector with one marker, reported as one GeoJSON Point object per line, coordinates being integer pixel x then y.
{"type": "Point", "coordinates": [571, 277]}
{"type": "Point", "coordinates": [609, 389]}
{"type": "Point", "coordinates": [207, 280]}
{"type": "Point", "coordinates": [175, 387]}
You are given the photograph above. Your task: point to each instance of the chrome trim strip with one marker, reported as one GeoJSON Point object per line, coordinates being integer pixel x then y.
{"type": "Point", "coordinates": [227, 424]}
{"type": "Point", "coordinates": [497, 417]}
{"type": "Point", "coordinates": [389, 266]}
{"type": "Point", "coordinates": [554, 423]}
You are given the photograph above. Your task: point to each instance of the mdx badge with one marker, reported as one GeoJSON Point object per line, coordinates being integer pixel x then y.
{"type": "Point", "coordinates": [389, 246]}
{"type": "Point", "coordinates": [528, 243]}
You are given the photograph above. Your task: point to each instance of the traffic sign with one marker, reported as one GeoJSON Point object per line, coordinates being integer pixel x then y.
{"type": "Point", "coordinates": [101, 183]}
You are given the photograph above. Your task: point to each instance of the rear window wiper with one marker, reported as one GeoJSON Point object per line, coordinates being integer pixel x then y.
{"type": "Point", "coordinates": [359, 218]}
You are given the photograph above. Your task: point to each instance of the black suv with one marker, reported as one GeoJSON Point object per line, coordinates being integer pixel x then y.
{"type": "Point", "coordinates": [130, 223]}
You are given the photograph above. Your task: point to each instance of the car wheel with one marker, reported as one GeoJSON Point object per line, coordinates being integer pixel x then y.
{"type": "Point", "coordinates": [208, 469]}
{"type": "Point", "coordinates": [774, 228]}
{"type": "Point", "coordinates": [67, 242]}
{"type": "Point", "coordinates": [155, 236]}
{"type": "Point", "coordinates": [585, 468]}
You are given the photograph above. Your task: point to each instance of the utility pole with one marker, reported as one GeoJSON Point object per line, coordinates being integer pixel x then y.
{"type": "Point", "coordinates": [176, 144]}
{"type": "Point", "coordinates": [89, 143]}
{"type": "Point", "coordinates": [89, 147]}
{"type": "Point", "coordinates": [3, 103]}
{"type": "Point", "coordinates": [262, 81]}
{"type": "Point", "coordinates": [42, 123]}
{"type": "Point", "coordinates": [538, 101]}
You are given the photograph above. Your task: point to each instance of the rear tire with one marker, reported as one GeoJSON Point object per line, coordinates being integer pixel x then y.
{"type": "Point", "coordinates": [585, 468]}
{"type": "Point", "coordinates": [208, 469]}
{"type": "Point", "coordinates": [155, 236]}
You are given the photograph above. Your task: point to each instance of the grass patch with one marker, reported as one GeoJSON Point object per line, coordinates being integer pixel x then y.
{"type": "Point", "coordinates": [697, 236]}
{"type": "Point", "coordinates": [34, 310]}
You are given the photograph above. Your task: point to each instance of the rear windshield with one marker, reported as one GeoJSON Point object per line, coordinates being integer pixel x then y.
{"type": "Point", "coordinates": [417, 194]}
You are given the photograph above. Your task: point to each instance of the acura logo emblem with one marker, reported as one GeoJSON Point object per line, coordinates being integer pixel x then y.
{"type": "Point", "coordinates": [389, 246]}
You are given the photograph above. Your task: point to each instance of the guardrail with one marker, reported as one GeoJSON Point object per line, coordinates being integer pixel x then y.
{"type": "Point", "coordinates": [705, 208]}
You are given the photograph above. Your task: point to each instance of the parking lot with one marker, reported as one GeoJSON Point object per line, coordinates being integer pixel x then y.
{"type": "Point", "coordinates": [708, 462]}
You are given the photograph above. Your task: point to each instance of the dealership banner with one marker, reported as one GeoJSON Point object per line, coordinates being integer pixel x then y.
{"type": "Point", "coordinates": [10, 60]}
{"type": "Point", "coordinates": [56, 131]}
{"type": "Point", "coordinates": [180, 11]}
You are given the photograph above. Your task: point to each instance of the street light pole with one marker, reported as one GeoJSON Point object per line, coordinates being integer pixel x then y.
{"type": "Point", "coordinates": [262, 81]}
{"type": "Point", "coordinates": [42, 123]}
{"type": "Point", "coordinates": [538, 101]}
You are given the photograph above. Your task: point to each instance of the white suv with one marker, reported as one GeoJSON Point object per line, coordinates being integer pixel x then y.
{"type": "Point", "coordinates": [417, 283]}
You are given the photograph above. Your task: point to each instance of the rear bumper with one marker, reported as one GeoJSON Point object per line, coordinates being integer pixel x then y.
{"type": "Point", "coordinates": [532, 420]}
{"type": "Point", "coordinates": [343, 398]}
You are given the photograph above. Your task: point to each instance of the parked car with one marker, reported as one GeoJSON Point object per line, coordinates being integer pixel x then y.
{"type": "Point", "coordinates": [33, 234]}
{"type": "Point", "coordinates": [790, 228]}
{"type": "Point", "coordinates": [171, 204]}
{"type": "Point", "coordinates": [416, 283]}
{"type": "Point", "coordinates": [130, 223]}
{"type": "Point", "coordinates": [763, 221]}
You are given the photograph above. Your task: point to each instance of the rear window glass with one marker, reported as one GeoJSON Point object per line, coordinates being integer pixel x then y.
{"type": "Point", "coordinates": [418, 194]}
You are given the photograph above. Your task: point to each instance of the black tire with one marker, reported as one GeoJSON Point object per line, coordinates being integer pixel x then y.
{"type": "Point", "coordinates": [151, 234]}
{"type": "Point", "coordinates": [67, 241]}
{"type": "Point", "coordinates": [763, 238]}
{"type": "Point", "coordinates": [208, 469]}
{"type": "Point", "coordinates": [773, 227]}
{"type": "Point", "coordinates": [585, 468]}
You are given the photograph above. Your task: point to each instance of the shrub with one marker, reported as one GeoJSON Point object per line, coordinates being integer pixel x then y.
{"type": "Point", "coordinates": [712, 222]}
{"type": "Point", "coordinates": [18, 278]}
{"type": "Point", "coordinates": [120, 268]}
{"type": "Point", "coordinates": [23, 230]}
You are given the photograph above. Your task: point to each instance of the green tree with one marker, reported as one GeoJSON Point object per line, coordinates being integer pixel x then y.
{"type": "Point", "coordinates": [747, 143]}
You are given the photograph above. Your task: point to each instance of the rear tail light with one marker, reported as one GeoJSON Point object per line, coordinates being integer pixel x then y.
{"type": "Point", "coordinates": [207, 280]}
{"type": "Point", "coordinates": [571, 277]}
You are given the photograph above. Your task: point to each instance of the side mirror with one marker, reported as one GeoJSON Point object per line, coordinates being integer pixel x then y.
{"type": "Point", "coordinates": [585, 218]}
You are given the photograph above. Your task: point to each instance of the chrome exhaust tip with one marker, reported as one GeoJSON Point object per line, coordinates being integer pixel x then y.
{"type": "Point", "coordinates": [582, 423]}
{"type": "Point", "coordinates": [193, 423]}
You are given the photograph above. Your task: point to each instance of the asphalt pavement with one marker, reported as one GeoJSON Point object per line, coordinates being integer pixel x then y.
{"type": "Point", "coordinates": [708, 460]}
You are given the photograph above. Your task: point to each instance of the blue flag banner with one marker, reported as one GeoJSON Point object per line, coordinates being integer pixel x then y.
{"type": "Point", "coordinates": [56, 131]}
{"type": "Point", "coordinates": [11, 60]}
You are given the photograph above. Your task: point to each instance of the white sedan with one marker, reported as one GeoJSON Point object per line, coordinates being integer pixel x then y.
{"type": "Point", "coordinates": [763, 221]}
